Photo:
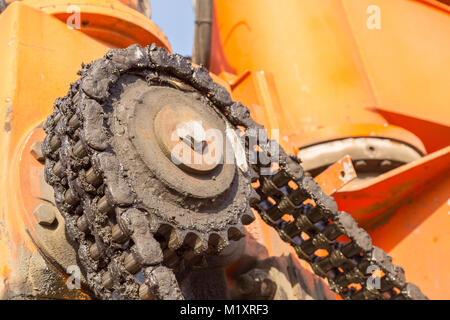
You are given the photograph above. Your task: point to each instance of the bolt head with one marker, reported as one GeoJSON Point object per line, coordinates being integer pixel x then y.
{"type": "Point", "coordinates": [36, 151]}
{"type": "Point", "coordinates": [45, 214]}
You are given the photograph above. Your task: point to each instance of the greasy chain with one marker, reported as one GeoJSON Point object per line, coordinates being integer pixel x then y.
{"type": "Point", "coordinates": [315, 224]}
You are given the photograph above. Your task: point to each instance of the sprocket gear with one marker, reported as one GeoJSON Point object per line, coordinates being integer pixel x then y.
{"type": "Point", "coordinates": [131, 210]}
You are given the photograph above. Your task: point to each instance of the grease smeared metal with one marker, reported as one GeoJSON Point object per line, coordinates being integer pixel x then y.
{"type": "Point", "coordinates": [173, 232]}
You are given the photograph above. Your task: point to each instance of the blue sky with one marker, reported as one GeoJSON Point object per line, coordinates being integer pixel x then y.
{"type": "Point", "coordinates": [176, 20]}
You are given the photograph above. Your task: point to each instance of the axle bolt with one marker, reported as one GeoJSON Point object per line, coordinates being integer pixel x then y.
{"type": "Point", "coordinates": [36, 151]}
{"type": "Point", "coordinates": [45, 214]}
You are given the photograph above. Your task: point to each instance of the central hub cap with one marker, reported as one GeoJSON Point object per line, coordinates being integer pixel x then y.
{"type": "Point", "coordinates": [191, 142]}
{"type": "Point", "coordinates": [182, 139]}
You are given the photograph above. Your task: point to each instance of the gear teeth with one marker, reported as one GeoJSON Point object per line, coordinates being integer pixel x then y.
{"type": "Point", "coordinates": [171, 258]}
{"type": "Point", "coordinates": [90, 180]}
{"type": "Point", "coordinates": [174, 240]}
{"type": "Point", "coordinates": [248, 217]}
{"type": "Point", "coordinates": [235, 233]}
{"type": "Point", "coordinates": [217, 242]}
{"type": "Point", "coordinates": [194, 243]}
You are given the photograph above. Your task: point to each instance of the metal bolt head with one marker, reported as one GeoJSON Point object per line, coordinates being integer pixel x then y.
{"type": "Point", "coordinates": [385, 164]}
{"type": "Point", "coordinates": [45, 214]}
{"type": "Point", "coordinates": [360, 164]}
{"type": "Point", "coordinates": [36, 151]}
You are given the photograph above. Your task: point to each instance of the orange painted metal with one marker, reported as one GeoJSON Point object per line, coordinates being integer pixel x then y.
{"type": "Point", "coordinates": [336, 176]}
{"type": "Point", "coordinates": [108, 21]}
{"type": "Point", "coordinates": [337, 62]}
{"type": "Point", "coordinates": [335, 78]}
{"type": "Point", "coordinates": [407, 212]}
{"type": "Point", "coordinates": [39, 59]}
{"type": "Point", "coordinates": [368, 200]}
{"type": "Point", "coordinates": [407, 59]}
{"type": "Point", "coordinates": [317, 72]}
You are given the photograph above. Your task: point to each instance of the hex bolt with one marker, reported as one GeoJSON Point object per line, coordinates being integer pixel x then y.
{"type": "Point", "coordinates": [385, 164]}
{"type": "Point", "coordinates": [36, 151]}
{"type": "Point", "coordinates": [195, 145]}
{"type": "Point", "coordinates": [45, 214]}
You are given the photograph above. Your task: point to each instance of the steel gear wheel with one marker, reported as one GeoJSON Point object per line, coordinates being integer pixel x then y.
{"type": "Point", "coordinates": [137, 218]}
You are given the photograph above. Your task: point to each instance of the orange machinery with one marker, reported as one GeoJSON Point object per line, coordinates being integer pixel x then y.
{"type": "Point", "coordinates": [318, 71]}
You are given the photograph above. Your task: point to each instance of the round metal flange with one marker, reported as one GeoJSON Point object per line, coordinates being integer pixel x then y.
{"type": "Point", "coordinates": [167, 122]}
{"type": "Point", "coordinates": [183, 137]}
